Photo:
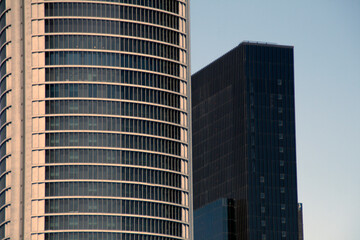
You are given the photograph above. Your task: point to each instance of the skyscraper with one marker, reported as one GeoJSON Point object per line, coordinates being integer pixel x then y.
{"type": "Point", "coordinates": [244, 139]}
{"type": "Point", "coordinates": [94, 120]}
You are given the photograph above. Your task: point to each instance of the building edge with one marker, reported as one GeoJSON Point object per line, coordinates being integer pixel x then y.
{"type": "Point", "coordinates": [189, 107]}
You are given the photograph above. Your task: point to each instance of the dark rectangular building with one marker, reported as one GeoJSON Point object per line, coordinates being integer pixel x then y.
{"type": "Point", "coordinates": [244, 139]}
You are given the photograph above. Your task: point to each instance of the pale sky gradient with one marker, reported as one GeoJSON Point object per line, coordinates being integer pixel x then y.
{"type": "Point", "coordinates": [326, 39]}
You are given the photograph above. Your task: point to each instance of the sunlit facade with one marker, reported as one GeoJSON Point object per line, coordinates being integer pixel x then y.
{"type": "Point", "coordinates": [96, 136]}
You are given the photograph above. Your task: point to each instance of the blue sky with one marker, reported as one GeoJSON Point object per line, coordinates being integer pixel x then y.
{"type": "Point", "coordinates": [326, 39]}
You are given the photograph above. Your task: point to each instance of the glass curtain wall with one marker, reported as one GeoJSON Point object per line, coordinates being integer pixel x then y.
{"type": "Point", "coordinates": [115, 120]}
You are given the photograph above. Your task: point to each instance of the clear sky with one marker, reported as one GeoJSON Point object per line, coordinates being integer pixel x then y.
{"type": "Point", "coordinates": [326, 39]}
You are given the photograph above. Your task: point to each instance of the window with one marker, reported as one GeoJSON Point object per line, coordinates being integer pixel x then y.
{"type": "Point", "coordinates": [262, 179]}
{"type": "Point", "coordinates": [283, 234]}
{"type": "Point", "coordinates": [281, 149]}
{"type": "Point", "coordinates": [92, 188]}
{"type": "Point", "coordinates": [262, 195]}
{"type": "Point", "coordinates": [281, 136]}
{"type": "Point", "coordinates": [73, 139]}
{"type": "Point", "coordinates": [263, 223]}
{"type": "Point", "coordinates": [54, 207]}
{"type": "Point", "coordinates": [281, 163]}
{"type": "Point", "coordinates": [282, 190]}
{"type": "Point", "coordinates": [92, 222]}
{"type": "Point", "coordinates": [262, 209]}
{"type": "Point", "coordinates": [283, 220]}
{"type": "Point", "coordinates": [282, 206]}
{"type": "Point", "coordinates": [73, 222]}
{"type": "Point", "coordinates": [282, 176]}
{"type": "Point", "coordinates": [54, 223]}
{"type": "Point", "coordinates": [92, 205]}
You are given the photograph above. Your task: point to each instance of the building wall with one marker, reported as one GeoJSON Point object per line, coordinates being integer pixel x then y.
{"type": "Point", "coordinates": [215, 221]}
{"type": "Point", "coordinates": [272, 157]}
{"type": "Point", "coordinates": [99, 127]}
{"type": "Point", "coordinates": [5, 108]}
{"type": "Point", "coordinates": [244, 138]}
{"type": "Point", "coordinates": [216, 173]}
{"type": "Point", "coordinates": [12, 119]}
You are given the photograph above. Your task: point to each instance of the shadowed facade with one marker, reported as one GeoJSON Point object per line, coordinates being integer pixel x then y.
{"type": "Point", "coordinates": [244, 139]}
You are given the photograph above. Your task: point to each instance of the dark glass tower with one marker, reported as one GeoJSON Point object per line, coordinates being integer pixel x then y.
{"type": "Point", "coordinates": [244, 139]}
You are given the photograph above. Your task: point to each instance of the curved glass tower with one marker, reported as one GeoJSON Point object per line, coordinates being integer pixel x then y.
{"type": "Point", "coordinates": [104, 121]}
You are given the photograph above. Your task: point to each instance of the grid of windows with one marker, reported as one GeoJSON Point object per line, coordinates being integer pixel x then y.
{"type": "Point", "coordinates": [129, 174]}
{"type": "Point", "coordinates": [111, 91]}
{"type": "Point", "coordinates": [112, 11]}
{"type": "Point", "coordinates": [112, 108]}
{"type": "Point", "coordinates": [113, 124]}
{"type": "Point", "coordinates": [112, 27]}
{"type": "Point", "coordinates": [255, 83]}
{"type": "Point", "coordinates": [103, 235]}
{"type": "Point", "coordinates": [112, 75]}
{"type": "Point", "coordinates": [111, 59]}
{"type": "Point", "coordinates": [112, 140]}
{"type": "Point", "coordinates": [114, 119]}
{"type": "Point", "coordinates": [274, 148]}
{"type": "Point", "coordinates": [105, 156]}
{"type": "Point", "coordinates": [167, 5]}
{"type": "Point", "coordinates": [113, 223]}
{"type": "Point", "coordinates": [112, 44]}
{"type": "Point", "coordinates": [4, 108]}
{"type": "Point", "coordinates": [110, 189]}
{"type": "Point", "coordinates": [120, 206]}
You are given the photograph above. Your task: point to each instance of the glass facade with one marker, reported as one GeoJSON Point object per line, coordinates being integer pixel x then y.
{"type": "Point", "coordinates": [5, 124]}
{"type": "Point", "coordinates": [215, 221]}
{"type": "Point", "coordinates": [111, 143]}
{"type": "Point", "coordinates": [244, 139]}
